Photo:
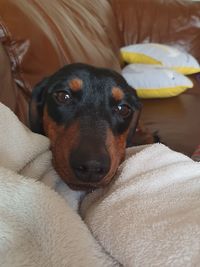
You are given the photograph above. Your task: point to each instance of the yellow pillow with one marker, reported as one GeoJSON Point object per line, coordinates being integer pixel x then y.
{"type": "Point", "coordinates": [163, 55]}
{"type": "Point", "coordinates": [151, 81]}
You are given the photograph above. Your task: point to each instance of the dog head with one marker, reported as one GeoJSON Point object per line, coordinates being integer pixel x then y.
{"type": "Point", "coordinates": [90, 115]}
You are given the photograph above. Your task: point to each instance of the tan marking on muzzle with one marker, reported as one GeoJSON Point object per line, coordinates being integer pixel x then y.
{"type": "Point", "coordinates": [63, 141]}
{"type": "Point", "coordinates": [116, 148]}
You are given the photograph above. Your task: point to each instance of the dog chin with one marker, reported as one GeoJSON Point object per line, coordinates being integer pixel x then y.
{"type": "Point", "coordinates": [87, 186]}
{"type": "Point", "coordinates": [81, 187]}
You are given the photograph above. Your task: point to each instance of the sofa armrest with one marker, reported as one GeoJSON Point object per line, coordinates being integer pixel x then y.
{"type": "Point", "coordinates": [7, 88]}
{"type": "Point", "coordinates": [10, 94]}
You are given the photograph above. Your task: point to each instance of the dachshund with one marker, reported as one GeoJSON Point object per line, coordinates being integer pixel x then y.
{"type": "Point", "coordinates": [90, 115]}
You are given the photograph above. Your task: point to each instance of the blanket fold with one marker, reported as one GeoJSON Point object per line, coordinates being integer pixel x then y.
{"type": "Point", "coordinates": [150, 215]}
{"type": "Point", "coordinates": [38, 228]}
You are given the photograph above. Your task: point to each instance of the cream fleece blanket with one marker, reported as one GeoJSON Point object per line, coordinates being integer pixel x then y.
{"type": "Point", "coordinates": [150, 215]}
{"type": "Point", "coordinates": [37, 227]}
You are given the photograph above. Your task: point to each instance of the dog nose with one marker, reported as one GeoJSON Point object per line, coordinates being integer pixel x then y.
{"type": "Point", "coordinates": [90, 171]}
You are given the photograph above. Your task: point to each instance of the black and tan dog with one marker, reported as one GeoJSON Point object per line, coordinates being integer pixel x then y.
{"type": "Point", "coordinates": [90, 115]}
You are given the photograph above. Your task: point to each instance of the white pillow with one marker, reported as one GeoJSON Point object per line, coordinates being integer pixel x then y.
{"type": "Point", "coordinates": [164, 55]}
{"type": "Point", "coordinates": [151, 81]}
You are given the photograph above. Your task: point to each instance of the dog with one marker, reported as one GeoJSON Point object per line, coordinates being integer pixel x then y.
{"type": "Point", "coordinates": [90, 115]}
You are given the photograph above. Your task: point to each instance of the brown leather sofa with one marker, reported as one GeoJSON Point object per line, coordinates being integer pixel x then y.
{"type": "Point", "coordinates": [38, 37]}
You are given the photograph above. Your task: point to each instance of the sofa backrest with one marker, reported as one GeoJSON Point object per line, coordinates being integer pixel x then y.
{"type": "Point", "coordinates": [172, 22]}
{"type": "Point", "coordinates": [42, 36]}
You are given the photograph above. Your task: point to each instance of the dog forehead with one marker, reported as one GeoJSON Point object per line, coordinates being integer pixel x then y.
{"type": "Point", "coordinates": [90, 80]}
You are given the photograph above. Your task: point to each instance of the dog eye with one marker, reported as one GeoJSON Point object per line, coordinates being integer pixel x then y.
{"type": "Point", "coordinates": [62, 97]}
{"type": "Point", "coordinates": [123, 110]}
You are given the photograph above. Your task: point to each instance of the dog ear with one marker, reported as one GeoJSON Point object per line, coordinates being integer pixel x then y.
{"type": "Point", "coordinates": [36, 106]}
{"type": "Point", "coordinates": [134, 121]}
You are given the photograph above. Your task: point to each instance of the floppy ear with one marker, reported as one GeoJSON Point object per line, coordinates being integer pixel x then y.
{"type": "Point", "coordinates": [36, 107]}
{"type": "Point", "coordinates": [134, 121]}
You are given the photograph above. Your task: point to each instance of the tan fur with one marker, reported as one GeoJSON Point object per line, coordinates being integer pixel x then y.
{"type": "Point", "coordinates": [117, 93]}
{"type": "Point", "coordinates": [76, 84]}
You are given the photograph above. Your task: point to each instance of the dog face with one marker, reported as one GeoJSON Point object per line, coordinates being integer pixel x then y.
{"type": "Point", "coordinates": [89, 115]}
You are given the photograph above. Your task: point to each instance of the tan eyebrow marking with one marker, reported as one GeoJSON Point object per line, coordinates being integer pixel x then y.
{"type": "Point", "coordinates": [76, 84]}
{"type": "Point", "coordinates": [117, 93]}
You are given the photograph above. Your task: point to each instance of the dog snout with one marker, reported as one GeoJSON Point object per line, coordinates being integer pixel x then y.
{"type": "Point", "coordinates": [89, 169]}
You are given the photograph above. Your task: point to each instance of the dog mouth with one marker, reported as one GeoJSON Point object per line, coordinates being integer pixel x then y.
{"type": "Point", "coordinates": [91, 172]}
{"type": "Point", "coordinates": [89, 187]}
{"type": "Point", "coordinates": [68, 176]}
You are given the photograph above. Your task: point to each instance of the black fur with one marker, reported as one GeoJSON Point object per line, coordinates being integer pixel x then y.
{"type": "Point", "coordinates": [94, 100]}
{"type": "Point", "coordinates": [102, 108]}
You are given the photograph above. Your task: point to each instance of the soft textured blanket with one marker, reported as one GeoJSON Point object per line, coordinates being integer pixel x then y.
{"type": "Point", "coordinates": [150, 215]}
{"type": "Point", "coordinates": [37, 227]}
